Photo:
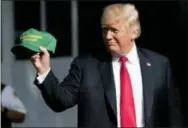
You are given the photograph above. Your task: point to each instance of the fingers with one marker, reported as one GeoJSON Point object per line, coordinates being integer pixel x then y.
{"type": "Point", "coordinates": [37, 55]}
{"type": "Point", "coordinates": [44, 50]}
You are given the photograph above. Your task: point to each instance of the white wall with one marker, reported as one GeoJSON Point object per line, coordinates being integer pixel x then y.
{"type": "Point", "coordinates": [20, 74]}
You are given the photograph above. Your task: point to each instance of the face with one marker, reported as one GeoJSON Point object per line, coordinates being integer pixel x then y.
{"type": "Point", "coordinates": [116, 35]}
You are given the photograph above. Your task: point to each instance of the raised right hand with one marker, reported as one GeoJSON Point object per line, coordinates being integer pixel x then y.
{"type": "Point", "coordinates": [41, 62]}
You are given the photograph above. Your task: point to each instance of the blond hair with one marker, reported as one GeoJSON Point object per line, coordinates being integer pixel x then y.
{"type": "Point", "coordinates": [127, 11]}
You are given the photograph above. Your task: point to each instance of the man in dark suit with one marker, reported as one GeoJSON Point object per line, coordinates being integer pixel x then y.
{"type": "Point", "coordinates": [129, 87]}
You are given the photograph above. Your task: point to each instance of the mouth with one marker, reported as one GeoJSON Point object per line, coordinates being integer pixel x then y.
{"type": "Point", "coordinates": [110, 44]}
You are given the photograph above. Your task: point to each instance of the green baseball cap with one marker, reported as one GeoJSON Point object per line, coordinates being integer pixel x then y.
{"type": "Point", "coordinates": [32, 39]}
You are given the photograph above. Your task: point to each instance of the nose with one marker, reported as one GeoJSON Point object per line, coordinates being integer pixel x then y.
{"type": "Point", "coordinates": [108, 35]}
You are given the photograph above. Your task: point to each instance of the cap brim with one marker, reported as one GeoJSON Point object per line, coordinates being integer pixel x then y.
{"type": "Point", "coordinates": [23, 51]}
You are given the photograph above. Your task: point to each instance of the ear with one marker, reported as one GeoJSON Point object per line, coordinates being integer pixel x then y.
{"type": "Point", "coordinates": [133, 32]}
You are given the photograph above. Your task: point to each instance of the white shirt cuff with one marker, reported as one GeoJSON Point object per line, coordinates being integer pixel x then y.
{"type": "Point", "coordinates": [42, 77]}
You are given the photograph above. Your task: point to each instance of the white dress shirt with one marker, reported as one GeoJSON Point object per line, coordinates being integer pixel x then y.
{"type": "Point", "coordinates": [11, 101]}
{"type": "Point", "coordinates": [42, 77]}
{"type": "Point", "coordinates": [133, 67]}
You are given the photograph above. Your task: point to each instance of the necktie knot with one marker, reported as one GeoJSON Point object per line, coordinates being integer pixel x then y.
{"type": "Point", "coordinates": [123, 59]}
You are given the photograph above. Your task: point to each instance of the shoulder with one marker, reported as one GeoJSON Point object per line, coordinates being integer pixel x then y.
{"type": "Point", "coordinates": [88, 61]}
{"type": "Point", "coordinates": [89, 58]}
{"type": "Point", "coordinates": [7, 87]}
{"type": "Point", "coordinates": [8, 91]}
{"type": "Point", "coordinates": [153, 56]}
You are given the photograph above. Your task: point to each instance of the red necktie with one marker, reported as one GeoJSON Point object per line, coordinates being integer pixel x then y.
{"type": "Point", "coordinates": [127, 108]}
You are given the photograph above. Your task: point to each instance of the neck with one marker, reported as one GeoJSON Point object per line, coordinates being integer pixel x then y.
{"type": "Point", "coordinates": [126, 49]}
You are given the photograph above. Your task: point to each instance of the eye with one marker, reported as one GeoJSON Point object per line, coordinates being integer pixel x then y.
{"type": "Point", "coordinates": [104, 29]}
{"type": "Point", "coordinates": [114, 30]}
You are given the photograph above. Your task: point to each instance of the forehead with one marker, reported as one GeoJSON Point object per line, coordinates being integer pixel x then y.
{"type": "Point", "coordinates": [112, 23]}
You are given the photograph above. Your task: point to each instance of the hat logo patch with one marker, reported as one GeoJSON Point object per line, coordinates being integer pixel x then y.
{"type": "Point", "coordinates": [31, 37]}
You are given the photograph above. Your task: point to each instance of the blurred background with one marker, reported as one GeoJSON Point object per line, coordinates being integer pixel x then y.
{"type": "Point", "coordinates": [76, 25]}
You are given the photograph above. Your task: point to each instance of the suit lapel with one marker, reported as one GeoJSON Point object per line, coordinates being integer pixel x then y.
{"type": "Point", "coordinates": [148, 87]}
{"type": "Point", "coordinates": [105, 68]}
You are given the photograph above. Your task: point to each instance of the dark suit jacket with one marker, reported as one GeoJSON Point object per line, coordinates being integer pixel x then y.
{"type": "Point", "coordinates": [90, 84]}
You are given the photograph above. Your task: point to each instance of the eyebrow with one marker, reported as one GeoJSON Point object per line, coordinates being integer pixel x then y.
{"type": "Point", "coordinates": [109, 27]}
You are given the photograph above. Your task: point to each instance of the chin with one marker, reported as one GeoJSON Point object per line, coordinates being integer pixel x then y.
{"type": "Point", "coordinates": [114, 51]}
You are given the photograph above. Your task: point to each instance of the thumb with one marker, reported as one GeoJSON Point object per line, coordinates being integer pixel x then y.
{"type": "Point", "coordinates": [44, 50]}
